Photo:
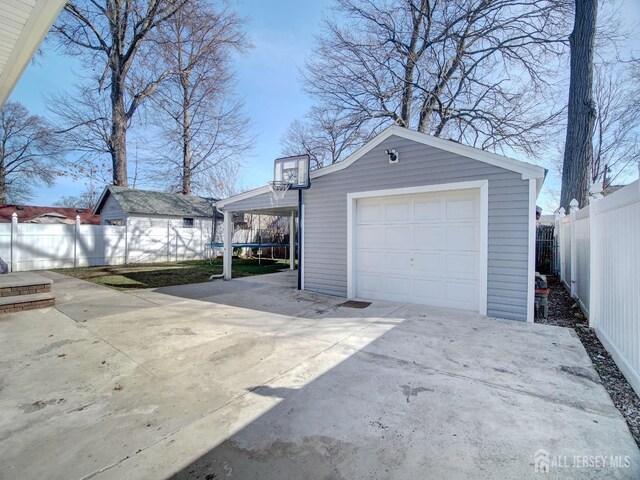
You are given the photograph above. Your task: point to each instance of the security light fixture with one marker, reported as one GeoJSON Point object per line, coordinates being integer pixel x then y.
{"type": "Point", "coordinates": [393, 155]}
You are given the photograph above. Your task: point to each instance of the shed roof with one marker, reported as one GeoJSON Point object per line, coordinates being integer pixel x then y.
{"type": "Point", "coordinates": [526, 170]}
{"type": "Point", "coordinates": [147, 202]}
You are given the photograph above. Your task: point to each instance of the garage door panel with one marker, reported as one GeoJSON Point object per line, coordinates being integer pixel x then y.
{"type": "Point", "coordinates": [424, 249]}
{"type": "Point", "coordinates": [462, 293]}
{"type": "Point", "coordinates": [428, 237]}
{"type": "Point", "coordinates": [396, 261]}
{"type": "Point", "coordinates": [461, 209]}
{"type": "Point", "coordinates": [462, 264]}
{"type": "Point", "coordinates": [370, 283]}
{"type": "Point", "coordinates": [398, 237]}
{"type": "Point", "coordinates": [428, 291]}
{"type": "Point", "coordinates": [424, 210]}
{"type": "Point", "coordinates": [397, 212]}
{"type": "Point", "coordinates": [369, 260]}
{"type": "Point", "coordinates": [369, 213]}
{"type": "Point", "coordinates": [428, 263]}
{"type": "Point", "coordinates": [398, 285]}
{"type": "Point", "coordinates": [461, 237]}
{"type": "Point", "coordinates": [370, 236]}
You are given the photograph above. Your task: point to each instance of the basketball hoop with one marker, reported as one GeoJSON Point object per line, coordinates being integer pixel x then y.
{"type": "Point", "coordinates": [278, 189]}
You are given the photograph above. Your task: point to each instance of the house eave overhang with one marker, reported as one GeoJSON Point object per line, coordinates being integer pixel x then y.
{"type": "Point", "coordinates": [23, 30]}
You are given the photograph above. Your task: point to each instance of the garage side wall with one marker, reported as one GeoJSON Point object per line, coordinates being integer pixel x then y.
{"type": "Point", "coordinates": [325, 232]}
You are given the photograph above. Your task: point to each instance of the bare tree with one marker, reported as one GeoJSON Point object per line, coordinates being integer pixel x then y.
{"type": "Point", "coordinates": [109, 35]}
{"type": "Point", "coordinates": [198, 114]}
{"type": "Point", "coordinates": [87, 199]}
{"type": "Point", "coordinates": [28, 152]}
{"type": "Point", "coordinates": [616, 140]}
{"type": "Point", "coordinates": [578, 151]}
{"type": "Point", "coordinates": [326, 136]}
{"type": "Point", "coordinates": [475, 71]}
{"type": "Point", "coordinates": [223, 181]}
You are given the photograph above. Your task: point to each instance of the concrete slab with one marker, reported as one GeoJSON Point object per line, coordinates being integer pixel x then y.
{"type": "Point", "coordinates": [22, 279]}
{"type": "Point", "coordinates": [251, 379]}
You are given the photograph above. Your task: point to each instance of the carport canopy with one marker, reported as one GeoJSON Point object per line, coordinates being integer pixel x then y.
{"type": "Point", "coordinates": [261, 204]}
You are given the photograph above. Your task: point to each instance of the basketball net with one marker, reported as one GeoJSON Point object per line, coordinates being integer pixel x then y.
{"type": "Point", "coordinates": [278, 190]}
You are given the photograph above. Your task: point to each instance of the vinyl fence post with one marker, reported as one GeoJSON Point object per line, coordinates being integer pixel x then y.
{"type": "Point", "coordinates": [561, 240]}
{"type": "Point", "coordinates": [126, 240]}
{"type": "Point", "coordinates": [595, 261]}
{"type": "Point", "coordinates": [76, 232]}
{"type": "Point", "coordinates": [168, 240]}
{"type": "Point", "coordinates": [14, 242]}
{"type": "Point", "coordinates": [573, 210]}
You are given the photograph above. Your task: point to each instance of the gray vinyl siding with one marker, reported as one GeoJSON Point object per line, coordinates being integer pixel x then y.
{"type": "Point", "coordinates": [325, 227]}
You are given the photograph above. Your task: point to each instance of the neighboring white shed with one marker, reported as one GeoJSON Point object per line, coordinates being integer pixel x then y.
{"type": "Point", "coordinates": [446, 225]}
{"type": "Point", "coordinates": [145, 208]}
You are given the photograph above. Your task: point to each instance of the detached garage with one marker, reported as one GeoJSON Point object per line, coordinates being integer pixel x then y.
{"type": "Point", "coordinates": [417, 219]}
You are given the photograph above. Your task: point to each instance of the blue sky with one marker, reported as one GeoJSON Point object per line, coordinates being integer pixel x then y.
{"type": "Point", "coordinates": [282, 32]}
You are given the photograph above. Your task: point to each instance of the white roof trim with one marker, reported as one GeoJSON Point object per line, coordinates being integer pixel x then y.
{"type": "Point", "coordinates": [526, 170]}
{"type": "Point", "coordinates": [30, 22]}
{"type": "Point", "coordinates": [242, 196]}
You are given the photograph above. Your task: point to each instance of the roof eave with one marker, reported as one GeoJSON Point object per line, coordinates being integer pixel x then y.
{"type": "Point", "coordinates": [526, 170]}
{"type": "Point", "coordinates": [32, 33]}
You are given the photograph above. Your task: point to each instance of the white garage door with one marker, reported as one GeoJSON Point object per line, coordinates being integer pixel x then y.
{"type": "Point", "coordinates": [422, 248]}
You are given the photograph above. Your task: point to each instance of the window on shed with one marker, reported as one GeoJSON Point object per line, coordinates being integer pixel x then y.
{"type": "Point", "coordinates": [187, 222]}
{"type": "Point", "coordinates": [114, 221]}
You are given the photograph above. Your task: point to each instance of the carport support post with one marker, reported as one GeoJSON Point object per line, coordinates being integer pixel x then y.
{"type": "Point", "coordinates": [292, 241]}
{"type": "Point", "coordinates": [299, 239]}
{"type": "Point", "coordinates": [227, 251]}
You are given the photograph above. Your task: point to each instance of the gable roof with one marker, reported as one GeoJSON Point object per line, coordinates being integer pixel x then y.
{"type": "Point", "coordinates": [27, 213]}
{"type": "Point", "coordinates": [147, 202]}
{"type": "Point", "coordinates": [527, 170]}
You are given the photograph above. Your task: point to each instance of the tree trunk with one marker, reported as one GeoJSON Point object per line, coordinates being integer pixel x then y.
{"type": "Point", "coordinates": [410, 67]}
{"type": "Point", "coordinates": [118, 131]}
{"type": "Point", "coordinates": [578, 150]}
{"type": "Point", "coordinates": [186, 152]}
{"type": "Point", "coordinates": [3, 183]}
{"type": "Point", "coordinates": [186, 123]}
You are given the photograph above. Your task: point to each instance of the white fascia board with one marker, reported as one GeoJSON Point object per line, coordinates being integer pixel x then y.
{"type": "Point", "coordinates": [242, 196]}
{"type": "Point", "coordinates": [103, 197]}
{"type": "Point", "coordinates": [526, 170]}
{"type": "Point", "coordinates": [36, 27]}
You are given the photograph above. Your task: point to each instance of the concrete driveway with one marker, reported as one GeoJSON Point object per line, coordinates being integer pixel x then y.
{"type": "Point", "coordinates": [252, 379]}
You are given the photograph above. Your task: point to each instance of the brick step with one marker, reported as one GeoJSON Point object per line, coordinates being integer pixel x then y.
{"type": "Point", "coordinates": [23, 283]}
{"type": "Point", "coordinates": [31, 301]}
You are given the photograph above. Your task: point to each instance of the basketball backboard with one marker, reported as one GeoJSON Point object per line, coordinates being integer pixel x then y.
{"type": "Point", "coordinates": [292, 170]}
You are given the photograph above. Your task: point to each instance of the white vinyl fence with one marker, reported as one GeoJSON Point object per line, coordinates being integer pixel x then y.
{"type": "Point", "coordinates": [600, 265]}
{"type": "Point", "coordinates": [27, 246]}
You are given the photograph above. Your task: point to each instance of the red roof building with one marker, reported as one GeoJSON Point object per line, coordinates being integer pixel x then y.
{"type": "Point", "coordinates": [47, 215]}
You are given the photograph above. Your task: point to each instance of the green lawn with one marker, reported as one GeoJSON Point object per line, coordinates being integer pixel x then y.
{"type": "Point", "coordinates": [135, 276]}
